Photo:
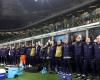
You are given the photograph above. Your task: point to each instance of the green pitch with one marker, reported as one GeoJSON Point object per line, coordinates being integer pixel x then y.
{"type": "Point", "coordinates": [39, 76]}
{"type": "Point", "coordinates": [36, 76]}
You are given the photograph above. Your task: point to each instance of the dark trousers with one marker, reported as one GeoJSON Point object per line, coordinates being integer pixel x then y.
{"type": "Point", "coordinates": [52, 64]}
{"type": "Point", "coordinates": [27, 60]}
{"type": "Point", "coordinates": [43, 62]}
{"type": "Point", "coordinates": [73, 65]}
{"type": "Point", "coordinates": [87, 66]}
{"type": "Point", "coordinates": [17, 59]}
{"type": "Point", "coordinates": [67, 65]}
{"type": "Point", "coordinates": [93, 66]}
{"type": "Point", "coordinates": [4, 59]}
{"type": "Point", "coordinates": [32, 60]}
{"type": "Point", "coordinates": [48, 63]}
{"type": "Point", "coordinates": [11, 60]}
{"type": "Point", "coordinates": [58, 62]}
{"type": "Point", "coordinates": [78, 64]}
{"type": "Point", "coordinates": [0, 59]}
{"type": "Point", "coordinates": [38, 60]}
{"type": "Point", "coordinates": [98, 67]}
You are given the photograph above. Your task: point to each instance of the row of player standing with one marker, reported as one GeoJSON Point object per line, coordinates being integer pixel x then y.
{"type": "Point", "coordinates": [9, 55]}
{"type": "Point", "coordinates": [81, 57]}
{"type": "Point", "coordinates": [12, 55]}
{"type": "Point", "coordinates": [87, 56]}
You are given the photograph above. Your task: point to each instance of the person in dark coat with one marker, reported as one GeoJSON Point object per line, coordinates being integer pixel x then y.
{"type": "Point", "coordinates": [78, 54]}
{"type": "Point", "coordinates": [88, 56]}
{"type": "Point", "coordinates": [47, 52]}
{"type": "Point", "coordinates": [52, 56]}
{"type": "Point", "coordinates": [17, 55]}
{"type": "Point", "coordinates": [43, 55]}
{"type": "Point", "coordinates": [97, 56]}
{"type": "Point", "coordinates": [67, 55]}
{"type": "Point", "coordinates": [0, 55]}
{"type": "Point", "coordinates": [4, 54]}
{"type": "Point", "coordinates": [11, 54]}
{"type": "Point", "coordinates": [27, 52]}
{"type": "Point", "coordinates": [38, 53]}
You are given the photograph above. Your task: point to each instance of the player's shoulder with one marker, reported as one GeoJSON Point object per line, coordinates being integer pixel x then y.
{"type": "Point", "coordinates": [73, 43]}
{"type": "Point", "coordinates": [94, 43]}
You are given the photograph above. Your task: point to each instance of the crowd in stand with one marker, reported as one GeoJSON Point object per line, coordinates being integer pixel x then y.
{"type": "Point", "coordinates": [82, 57]}
{"type": "Point", "coordinates": [82, 18]}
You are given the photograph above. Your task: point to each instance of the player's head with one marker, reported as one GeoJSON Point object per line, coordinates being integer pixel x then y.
{"type": "Point", "coordinates": [37, 44]}
{"type": "Point", "coordinates": [78, 38]}
{"type": "Point", "coordinates": [88, 40]}
{"type": "Point", "coordinates": [66, 41]}
{"type": "Point", "coordinates": [30, 45]}
{"type": "Point", "coordinates": [58, 42]}
{"type": "Point", "coordinates": [33, 45]}
{"type": "Point", "coordinates": [98, 39]}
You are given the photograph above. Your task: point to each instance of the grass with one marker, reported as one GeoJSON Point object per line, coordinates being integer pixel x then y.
{"type": "Point", "coordinates": [36, 76]}
{"type": "Point", "coordinates": [39, 76]}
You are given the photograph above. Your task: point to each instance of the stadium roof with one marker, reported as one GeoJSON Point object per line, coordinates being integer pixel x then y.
{"type": "Point", "coordinates": [17, 14]}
